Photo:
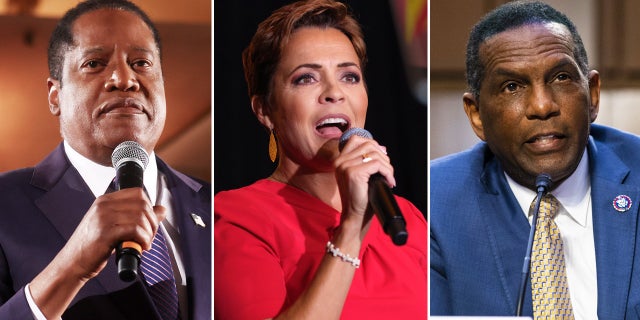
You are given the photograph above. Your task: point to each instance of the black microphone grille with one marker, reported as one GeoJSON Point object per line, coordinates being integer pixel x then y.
{"type": "Point", "coordinates": [543, 181]}
{"type": "Point", "coordinates": [350, 132]}
{"type": "Point", "coordinates": [129, 151]}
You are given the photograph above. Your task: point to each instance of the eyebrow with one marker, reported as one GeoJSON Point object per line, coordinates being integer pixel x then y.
{"type": "Point", "coordinates": [562, 63]}
{"type": "Point", "coordinates": [506, 72]}
{"type": "Point", "coordinates": [95, 50]}
{"type": "Point", "coordinates": [317, 66]}
{"type": "Point", "coordinates": [92, 51]}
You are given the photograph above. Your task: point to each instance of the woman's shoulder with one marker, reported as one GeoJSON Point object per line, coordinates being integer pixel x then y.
{"type": "Point", "coordinates": [409, 209]}
{"type": "Point", "coordinates": [260, 194]}
{"type": "Point", "coordinates": [255, 189]}
{"type": "Point", "coordinates": [416, 222]}
{"type": "Point", "coordinates": [276, 199]}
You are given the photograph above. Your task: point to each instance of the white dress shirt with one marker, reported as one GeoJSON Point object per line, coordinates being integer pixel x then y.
{"type": "Point", "coordinates": [98, 177]}
{"type": "Point", "coordinates": [576, 229]}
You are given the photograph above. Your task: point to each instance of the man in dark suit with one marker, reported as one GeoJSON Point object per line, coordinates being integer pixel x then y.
{"type": "Point", "coordinates": [59, 228]}
{"type": "Point", "coordinates": [532, 101]}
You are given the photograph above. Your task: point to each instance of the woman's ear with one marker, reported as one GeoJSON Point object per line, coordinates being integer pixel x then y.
{"type": "Point", "coordinates": [261, 110]}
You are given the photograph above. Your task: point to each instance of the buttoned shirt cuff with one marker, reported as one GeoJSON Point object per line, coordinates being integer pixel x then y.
{"type": "Point", "coordinates": [37, 314]}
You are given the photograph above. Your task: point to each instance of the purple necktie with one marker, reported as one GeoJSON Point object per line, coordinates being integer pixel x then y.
{"type": "Point", "coordinates": [156, 268]}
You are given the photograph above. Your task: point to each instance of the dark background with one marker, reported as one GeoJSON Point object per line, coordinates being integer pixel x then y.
{"type": "Point", "coordinates": [395, 118]}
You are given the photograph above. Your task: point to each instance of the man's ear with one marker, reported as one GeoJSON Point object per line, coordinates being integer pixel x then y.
{"type": "Point", "coordinates": [261, 110]}
{"type": "Point", "coordinates": [594, 92]}
{"type": "Point", "coordinates": [54, 102]}
{"type": "Point", "coordinates": [472, 109]}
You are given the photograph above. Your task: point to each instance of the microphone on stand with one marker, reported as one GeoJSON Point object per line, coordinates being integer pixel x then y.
{"type": "Point", "coordinates": [130, 159]}
{"type": "Point", "coordinates": [381, 198]}
{"type": "Point", "coordinates": [543, 182]}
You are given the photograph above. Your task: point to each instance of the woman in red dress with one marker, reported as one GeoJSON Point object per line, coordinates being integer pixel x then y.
{"type": "Point", "coordinates": [304, 243]}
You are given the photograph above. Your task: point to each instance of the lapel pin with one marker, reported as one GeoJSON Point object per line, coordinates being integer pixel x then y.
{"type": "Point", "coordinates": [622, 203]}
{"type": "Point", "coordinates": [198, 220]}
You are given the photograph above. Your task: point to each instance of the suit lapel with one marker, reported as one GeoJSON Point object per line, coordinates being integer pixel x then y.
{"type": "Point", "coordinates": [65, 202]}
{"type": "Point", "coordinates": [67, 198]}
{"type": "Point", "coordinates": [507, 230]}
{"type": "Point", "coordinates": [61, 183]}
{"type": "Point", "coordinates": [189, 203]}
{"type": "Point", "coordinates": [614, 231]}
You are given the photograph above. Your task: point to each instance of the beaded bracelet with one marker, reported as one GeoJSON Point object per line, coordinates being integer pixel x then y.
{"type": "Point", "coordinates": [344, 257]}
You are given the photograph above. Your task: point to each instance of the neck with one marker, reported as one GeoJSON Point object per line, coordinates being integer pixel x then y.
{"type": "Point", "coordinates": [321, 185]}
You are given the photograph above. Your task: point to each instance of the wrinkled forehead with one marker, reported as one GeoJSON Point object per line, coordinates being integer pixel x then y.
{"type": "Point", "coordinates": [107, 24]}
{"type": "Point", "coordinates": [528, 40]}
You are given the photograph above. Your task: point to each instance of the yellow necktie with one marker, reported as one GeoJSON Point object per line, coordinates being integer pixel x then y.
{"type": "Point", "coordinates": [550, 290]}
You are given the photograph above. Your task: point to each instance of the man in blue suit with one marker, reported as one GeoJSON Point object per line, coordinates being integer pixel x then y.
{"type": "Point", "coordinates": [532, 101]}
{"type": "Point", "coordinates": [59, 228]}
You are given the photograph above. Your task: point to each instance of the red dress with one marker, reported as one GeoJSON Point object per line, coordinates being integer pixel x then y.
{"type": "Point", "coordinates": [269, 239]}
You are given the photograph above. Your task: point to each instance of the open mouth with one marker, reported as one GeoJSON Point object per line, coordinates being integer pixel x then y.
{"type": "Point", "coordinates": [332, 126]}
{"type": "Point", "coordinates": [543, 139]}
{"type": "Point", "coordinates": [547, 143]}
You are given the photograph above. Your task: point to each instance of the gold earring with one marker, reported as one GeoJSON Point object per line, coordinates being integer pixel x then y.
{"type": "Point", "coordinates": [273, 147]}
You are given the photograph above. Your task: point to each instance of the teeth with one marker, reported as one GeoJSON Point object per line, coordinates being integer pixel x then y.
{"type": "Point", "coordinates": [332, 121]}
{"type": "Point", "coordinates": [545, 138]}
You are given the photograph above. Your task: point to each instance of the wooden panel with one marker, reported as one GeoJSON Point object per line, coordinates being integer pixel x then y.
{"type": "Point", "coordinates": [611, 46]}
{"type": "Point", "coordinates": [451, 21]}
{"type": "Point", "coordinates": [185, 11]}
{"type": "Point", "coordinates": [450, 24]}
{"type": "Point", "coordinates": [619, 43]}
{"type": "Point", "coordinates": [629, 35]}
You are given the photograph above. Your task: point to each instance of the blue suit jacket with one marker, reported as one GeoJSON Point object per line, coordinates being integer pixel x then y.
{"type": "Point", "coordinates": [39, 210]}
{"type": "Point", "coordinates": [479, 232]}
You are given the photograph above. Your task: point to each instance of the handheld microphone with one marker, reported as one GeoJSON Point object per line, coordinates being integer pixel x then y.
{"type": "Point", "coordinates": [130, 159]}
{"type": "Point", "coordinates": [381, 198]}
{"type": "Point", "coordinates": [543, 183]}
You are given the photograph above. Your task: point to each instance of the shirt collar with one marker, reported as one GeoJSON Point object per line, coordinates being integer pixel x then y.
{"type": "Point", "coordinates": [573, 193]}
{"type": "Point", "coordinates": [98, 177]}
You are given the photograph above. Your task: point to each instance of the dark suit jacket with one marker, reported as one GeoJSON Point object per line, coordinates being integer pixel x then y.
{"type": "Point", "coordinates": [40, 208]}
{"type": "Point", "coordinates": [479, 232]}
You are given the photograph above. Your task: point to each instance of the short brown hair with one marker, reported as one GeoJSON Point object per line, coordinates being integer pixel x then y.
{"type": "Point", "coordinates": [261, 57]}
